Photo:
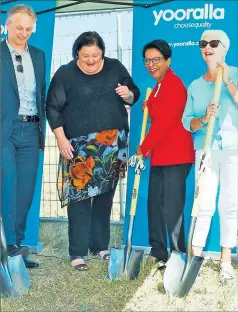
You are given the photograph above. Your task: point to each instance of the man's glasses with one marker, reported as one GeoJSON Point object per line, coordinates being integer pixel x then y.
{"type": "Point", "coordinates": [19, 66]}
{"type": "Point", "coordinates": [154, 60]}
{"type": "Point", "coordinates": [212, 43]}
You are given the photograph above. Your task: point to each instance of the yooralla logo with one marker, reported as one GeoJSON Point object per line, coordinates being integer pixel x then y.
{"type": "Point", "coordinates": [205, 13]}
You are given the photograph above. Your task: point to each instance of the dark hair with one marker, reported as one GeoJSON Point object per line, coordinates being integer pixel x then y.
{"type": "Point", "coordinates": [88, 38]}
{"type": "Point", "coordinates": [160, 45]}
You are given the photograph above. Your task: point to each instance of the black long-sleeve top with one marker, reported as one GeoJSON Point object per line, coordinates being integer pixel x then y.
{"type": "Point", "coordinates": [84, 104]}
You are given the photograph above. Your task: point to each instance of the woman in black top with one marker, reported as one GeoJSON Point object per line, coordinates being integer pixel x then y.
{"type": "Point", "coordinates": [86, 111]}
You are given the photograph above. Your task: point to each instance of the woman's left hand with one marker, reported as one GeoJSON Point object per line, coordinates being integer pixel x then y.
{"type": "Point", "coordinates": [225, 72]}
{"type": "Point", "coordinates": [123, 91]}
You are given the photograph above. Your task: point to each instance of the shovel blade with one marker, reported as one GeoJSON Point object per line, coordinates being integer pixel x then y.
{"type": "Point", "coordinates": [134, 264]}
{"type": "Point", "coordinates": [116, 264]}
{"type": "Point", "coordinates": [6, 286]}
{"type": "Point", "coordinates": [19, 275]}
{"type": "Point", "coordinates": [180, 275]}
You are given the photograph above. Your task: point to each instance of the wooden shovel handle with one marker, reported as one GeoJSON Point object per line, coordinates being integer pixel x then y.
{"type": "Point", "coordinates": [208, 140]}
{"type": "Point", "coordinates": [137, 176]}
{"type": "Point", "coordinates": [145, 117]}
{"type": "Point", "coordinates": [215, 100]}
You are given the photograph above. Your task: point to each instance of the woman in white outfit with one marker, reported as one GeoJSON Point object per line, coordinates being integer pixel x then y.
{"type": "Point", "coordinates": [221, 174]}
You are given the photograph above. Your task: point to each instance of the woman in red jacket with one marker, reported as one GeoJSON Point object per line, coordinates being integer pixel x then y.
{"type": "Point", "coordinates": [170, 147]}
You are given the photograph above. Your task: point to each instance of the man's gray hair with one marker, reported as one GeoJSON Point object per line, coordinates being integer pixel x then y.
{"type": "Point", "coordinates": [21, 8]}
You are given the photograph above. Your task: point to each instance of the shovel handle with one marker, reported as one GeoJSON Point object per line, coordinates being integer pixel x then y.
{"type": "Point", "coordinates": [200, 180]}
{"type": "Point", "coordinates": [197, 197]}
{"type": "Point", "coordinates": [215, 100]}
{"type": "Point", "coordinates": [137, 176]}
{"type": "Point", "coordinates": [145, 117]}
{"type": "Point", "coordinates": [208, 139]}
{"type": "Point", "coordinates": [135, 194]}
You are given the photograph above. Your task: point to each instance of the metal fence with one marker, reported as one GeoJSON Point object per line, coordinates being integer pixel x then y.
{"type": "Point", "coordinates": [50, 204]}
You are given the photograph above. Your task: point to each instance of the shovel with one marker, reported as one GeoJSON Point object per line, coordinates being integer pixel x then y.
{"type": "Point", "coordinates": [128, 260]}
{"type": "Point", "coordinates": [182, 269]}
{"type": "Point", "coordinates": [14, 278]}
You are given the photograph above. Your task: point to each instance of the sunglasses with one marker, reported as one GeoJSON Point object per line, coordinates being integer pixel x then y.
{"type": "Point", "coordinates": [154, 60]}
{"type": "Point", "coordinates": [212, 43]}
{"type": "Point", "coordinates": [19, 66]}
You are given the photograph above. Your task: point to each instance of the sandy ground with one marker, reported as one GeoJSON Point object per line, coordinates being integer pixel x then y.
{"type": "Point", "coordinates": [208, 293]}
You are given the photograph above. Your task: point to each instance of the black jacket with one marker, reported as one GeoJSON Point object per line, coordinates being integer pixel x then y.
{"type": "Point", "coordinates": [10, 101]}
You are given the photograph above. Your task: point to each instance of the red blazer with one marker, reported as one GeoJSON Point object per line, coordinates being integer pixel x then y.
{"type": "Point", "coordinates": [167, 142]}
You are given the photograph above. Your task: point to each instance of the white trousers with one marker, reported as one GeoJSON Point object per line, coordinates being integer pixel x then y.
{"type": "Point", "coordinates": [223, 172]}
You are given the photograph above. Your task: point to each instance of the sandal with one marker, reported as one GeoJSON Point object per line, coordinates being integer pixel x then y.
{"type": "Point", "coordinates": [105, 255]}
{"type": "Point", "coordinates": [79, 266]}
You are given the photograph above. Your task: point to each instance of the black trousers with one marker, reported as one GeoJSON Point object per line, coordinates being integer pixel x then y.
{"type": "Point", "coordinates": [166, 199]}
{"type": "Point", "coordinates": [89, 224]}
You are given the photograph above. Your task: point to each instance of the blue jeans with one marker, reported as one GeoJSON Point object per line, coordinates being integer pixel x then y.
{"type": "Point", "coordinates": [19, 166]}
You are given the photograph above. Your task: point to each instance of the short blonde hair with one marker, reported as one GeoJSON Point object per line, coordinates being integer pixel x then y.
{"type": "Point", "coordinates": [21, 8]}
{"type": "Point", "coordinates": [220, 34]}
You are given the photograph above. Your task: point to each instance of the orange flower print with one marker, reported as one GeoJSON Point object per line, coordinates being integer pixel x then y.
{"type": "Point", "coordinates": [107, 137]}
{"type": "Point", "coordinates": [81, 171]}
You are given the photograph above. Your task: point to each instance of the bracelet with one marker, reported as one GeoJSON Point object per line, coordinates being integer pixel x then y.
{"type": "Point", "coordinates": [229, 82]}
{"type": "Point", "coordinates": [202, 122]}
{"type": "Point", "coordinates": [130, 98]}
{"type": "Point", "coordinates": [130, 95]}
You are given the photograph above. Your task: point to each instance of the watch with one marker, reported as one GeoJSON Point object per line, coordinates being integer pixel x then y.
{"type": "Point", "coordinates": [202, 122]}
{"type": "Point", "coordinates": [229, 82]}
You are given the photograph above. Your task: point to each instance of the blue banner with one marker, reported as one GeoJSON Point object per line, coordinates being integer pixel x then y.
{"type": "Point", "coordinates": [181, 24]}
{"type": "Point", "coordinates": [42, 38]}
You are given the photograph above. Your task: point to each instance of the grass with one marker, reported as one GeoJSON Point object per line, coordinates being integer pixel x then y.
{"type": "Point", "coordinates": [57, 287]}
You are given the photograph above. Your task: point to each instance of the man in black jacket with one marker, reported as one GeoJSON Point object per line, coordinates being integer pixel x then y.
{"type": "Point", "coordinates": [22, 118]}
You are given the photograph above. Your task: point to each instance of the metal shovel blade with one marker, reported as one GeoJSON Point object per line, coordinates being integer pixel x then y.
{"type": "Point", "coordinates": [19, 275]}
{"type": "Point", "coordinates": [180, 273]}
{"type": "Point", "coordinates": [116, 263]}
{"type": "Point", "coordinates": [6, 287]}
{"type": "Point", "coordinates": [133, 267]}
{"type": "Point", "coordinates": [13, 270]}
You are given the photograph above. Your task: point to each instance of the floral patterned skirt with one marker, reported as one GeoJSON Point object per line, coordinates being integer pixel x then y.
{"type": "Point", "coordinates": [94, 170]}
